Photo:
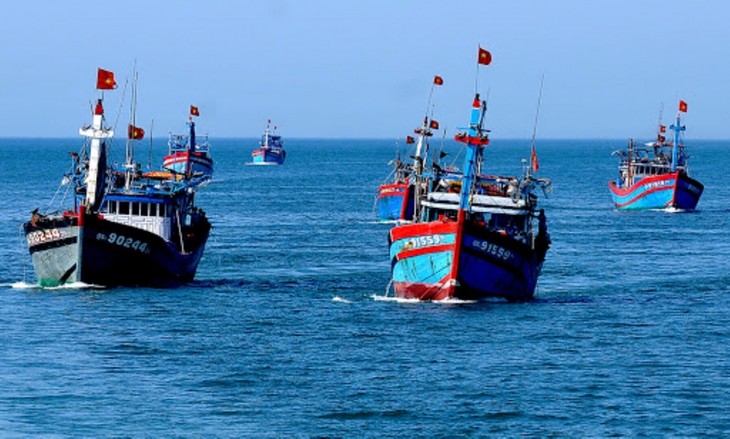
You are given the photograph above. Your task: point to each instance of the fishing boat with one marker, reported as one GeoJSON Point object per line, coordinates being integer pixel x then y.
{"type": "Point", "coordinates": [394, 200]}
{"type": "Point", "coordinates": [655, 175]}
{"type": "Point", "coordinates": [189, 150]}
{"type": "Point", "coordinates": [119, 227]}
{"type": "Point", "coordinates": [271, 149]}
{"type": "Point", "coordinates": [476, 236]}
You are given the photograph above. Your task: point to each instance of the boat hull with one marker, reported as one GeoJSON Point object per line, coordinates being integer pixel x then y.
{"type": "Point", "coordinates": [454, 259]}
{"type": "Point", "coordinates": [178, 162]}
{"type": "Point", "coordinates": [673, 190]}
{"type": "Point", "coordinates": [100, 252]}
{"type": "Point", "coordinates": [394, 202]}
{"type": "Point", "coordinates": [264, 156]}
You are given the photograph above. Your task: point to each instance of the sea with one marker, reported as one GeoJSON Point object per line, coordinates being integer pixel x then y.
{"type": "Point", "coordinates": [290, 329]}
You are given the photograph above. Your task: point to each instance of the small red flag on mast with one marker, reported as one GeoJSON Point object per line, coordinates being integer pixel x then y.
{"type": "Point", "coordinates": [410, 139]}
{"type": "Point", "coordinates": [433, 124]}
{"type": "Point", "coordinates": [438, 80]}
{"type": "Point", "coordinates": [662, 128]}
{"type": "Point", "coordinates": [484, 57]}
{"type": "Point", "coordinates": [535, 164]}
{"type": "Point", "coordinates": [194, 111]}
{"type": "Point", "coordinates": [135, 133]}
{"type": "Point", "coordinates": [682, 106]}
{"type": "Point", "coordinates": [105, 80]}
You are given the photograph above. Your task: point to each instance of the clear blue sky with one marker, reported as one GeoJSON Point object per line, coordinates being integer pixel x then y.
{"type": "Point", "coordinates": [344, 68]}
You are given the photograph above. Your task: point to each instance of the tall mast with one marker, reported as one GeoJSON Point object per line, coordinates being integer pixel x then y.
{"type": "Point", "coordinates": [475, 140]}
{"type": "Point", "coordinates": [420, 157]}
{"type": "Point", "coordinates": [96, 172]}
{"type": "Point", "coordinates": [677, 128]}
{"type": "Point", "coordinates": [533, 155]}
{"type": "Point", "coordinates": [191, 148]}
{"type": "Point", "coordinates": [129, 162]}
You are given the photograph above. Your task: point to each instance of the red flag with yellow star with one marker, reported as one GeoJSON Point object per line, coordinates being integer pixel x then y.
{"type": "Point", "coordinates": [484, 57]}
{"type": "Point", "coordinates": [105, 80]}
{"type": "Point", "coordinates": [135, 133]}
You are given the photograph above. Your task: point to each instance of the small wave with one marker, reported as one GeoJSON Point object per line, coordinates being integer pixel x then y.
{"type": "Point", "coordinates": [393, 299]}
{"type": "Point", "coordinates": [340, 299]}
{"type": "Point", "coordinates": [388, 222]}
{"type": "Point", "coordinates": [22, 285]}
{"type": "Point", "coordinates": [454, 301]}
{"type": "Point", "coordinates": [447, 301]}
{"type": "Point", "coordinates": [75, 286]}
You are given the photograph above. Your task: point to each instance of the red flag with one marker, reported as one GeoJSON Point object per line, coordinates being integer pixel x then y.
{"type": "Point", "coordinates": [535, 164]}
{"type": "Point", "coordinates": [662, 128]}
{"type": "Point", "coordinates": [660, 138]}
{"type": "Point", "coordinates": [134, 132]}
{"type": "Point", "coordinates": [433, 124]}
{"type": "Point", "coordinates": [484, 57]}
{"type": "Point", "coordinates": [410, 139]}
{"type": "Point", "coordinates": [194, 111]}
{"type": "Point", "coordinates": [105, 80]}
{"type": "Point", "coordinates": [438, 80]}
{"type": "Point", "coordinates": [682, 106]}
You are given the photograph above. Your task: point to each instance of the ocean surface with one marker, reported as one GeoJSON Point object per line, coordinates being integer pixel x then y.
{"type": "Point", "coordinates": [288, 330]}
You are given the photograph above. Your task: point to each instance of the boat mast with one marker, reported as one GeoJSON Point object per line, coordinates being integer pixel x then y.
{"type": "Point", "coordinates": [420, 157]}
{"type": "Point", "coordinates": [191, 145]}
{"type": "Point", "coordinates": [472, 160]}
{"type": "Point", "coordinates": [129, 163]}
{"type": "Point", "coordinates": [96, 173]}
{"type": "Point", "coordinates": [629, 165]}
{"type": "Point", "coordinates": [267, 131]}
{"type": "Point", "coordinates": [677, 128]}
{"type": "Point", "coordinates": [533, 155]}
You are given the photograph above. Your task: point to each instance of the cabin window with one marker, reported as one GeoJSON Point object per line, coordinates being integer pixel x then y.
{"type": "Point", "coordinates": [144, 209]}
{"type": "Point", "coordinates": [123, 208]}
{"type": "Point", "coordinates": [111, 206]}
{"type": "Point", "coordinates": [135, 208]}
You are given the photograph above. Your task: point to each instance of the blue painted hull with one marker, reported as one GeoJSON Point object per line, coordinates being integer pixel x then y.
{"type": "Point", "coordinates": [674, 190]}
{"type": "Point", "coordinates": [437, 260]}
{"type": "Point", "coordinates": [394, 202]}
{"type": "Point", "coordinates": [263, 156]}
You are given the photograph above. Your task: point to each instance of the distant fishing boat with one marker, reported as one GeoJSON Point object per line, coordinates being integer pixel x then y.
{"type": "Point", "coordinates": [395, 198]}
{"type": "Point", "coordinates": [271, 149]}
{"type": "Point", "coordinates": [475, 236]}
{"type": "Point", "coordinates": [655, 175]}
{"type": "Point", "coordinates": [188, 153]}
{"type": "Point", "coordinates": [120, 227]}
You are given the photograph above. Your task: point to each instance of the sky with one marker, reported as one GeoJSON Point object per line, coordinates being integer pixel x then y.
{"type": "Point", "coordinates": [365, 68]}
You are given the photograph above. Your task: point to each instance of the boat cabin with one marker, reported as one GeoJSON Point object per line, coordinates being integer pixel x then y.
{"type": "Point", "coordinates": [155, 215]}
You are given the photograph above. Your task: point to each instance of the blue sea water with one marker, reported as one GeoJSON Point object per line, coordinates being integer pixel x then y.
{"type": "Point", "coordinates": [286, 331]}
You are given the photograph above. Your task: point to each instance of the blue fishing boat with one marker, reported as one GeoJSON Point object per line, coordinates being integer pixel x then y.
{"type": "Point", "coordinates": [188, 153]}
{"type": "Point", "coordinates": [477, 236]}
{"type": "Point", "coordinates": [120, 226]}
{"type": "Point", "coordinates": [395, 198]}
{"type": "Point", "coordinates": [655, 175]}
{"type": "Point", "coordinates": [271, 149]}
{"type": "Point", "coordinates": [486, 240]}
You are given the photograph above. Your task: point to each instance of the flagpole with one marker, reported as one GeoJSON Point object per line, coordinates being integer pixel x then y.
{"type": "Point", "coordinates": [534, 127]}
{"type": "Point", "coordinates": [430, 95]}
{"type": "Point", "coordinates": [476, 75]}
